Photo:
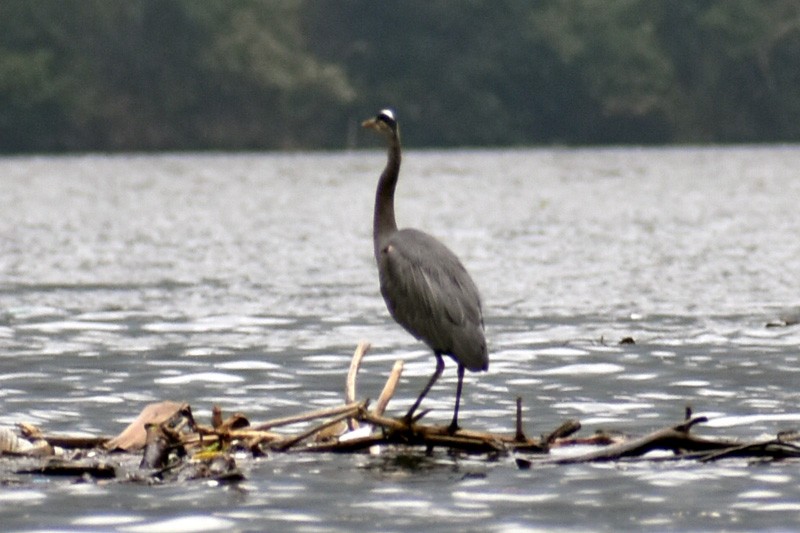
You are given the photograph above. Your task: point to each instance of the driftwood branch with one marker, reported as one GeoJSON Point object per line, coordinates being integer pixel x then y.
{"type": "Point", "coordinates": [676, 438]}
{"type": "Point", "coordinates": [679, 440]}
{"type": "Point", "coordinates": [388, 390]}
{"type": "Point", "coordinates": [397, 431]}
{"type": "Point", "coordinates": [771, 449]}
{"type": "Point", "coordinates": [352, 374]}
{"type": "Point", "coordinates": [562, 432]}
{"type": "Point", "coordinates": [305, 417]}
{"type": "Point", "coordinates": [285, 444]}
{"type": "Point", "coordinates": [166, 434]}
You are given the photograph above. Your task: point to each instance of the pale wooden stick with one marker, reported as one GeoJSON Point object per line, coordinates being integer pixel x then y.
{"type": "Point", "coordinates": [311, 415]}
{"type": "Point", "coordinates": [355, 365]}
{"type": "Point", "coordinates": [350, 384]}
{"type": "Point", "coordinates": [243, 434]}
{"type": "Point", "coordinates": [388, 390]}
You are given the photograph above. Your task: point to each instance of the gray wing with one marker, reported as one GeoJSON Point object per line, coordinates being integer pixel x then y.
{"type": "Point", "coordinates": [429, 292]}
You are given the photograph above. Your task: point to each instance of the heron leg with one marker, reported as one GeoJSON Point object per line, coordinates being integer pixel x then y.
{"type": "Point", "coordinates": [434, 377]}
{"type": "Point", "coordinates": [454, 424]}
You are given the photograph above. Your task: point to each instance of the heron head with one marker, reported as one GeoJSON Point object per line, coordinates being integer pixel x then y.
{"type": "Point", "coordinates": [384, 122]}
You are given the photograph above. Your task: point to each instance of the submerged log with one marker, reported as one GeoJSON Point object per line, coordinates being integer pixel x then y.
{"type": "Point", "coordinates": [95, 469]}
{"type": "Point", "coordinates": [676, 439]}
{"type": "Point", "coordinates": [683, 445]}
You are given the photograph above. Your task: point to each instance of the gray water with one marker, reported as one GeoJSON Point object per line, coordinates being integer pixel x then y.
{"type": "Point", "coordinates": [246, 280]}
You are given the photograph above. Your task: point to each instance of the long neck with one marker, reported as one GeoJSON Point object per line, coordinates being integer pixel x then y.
{"type": "Point", "coordinates": [384, 224]}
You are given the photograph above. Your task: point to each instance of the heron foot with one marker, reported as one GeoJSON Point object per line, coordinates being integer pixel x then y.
{"type": "Point", "coordinates": [410, 418]}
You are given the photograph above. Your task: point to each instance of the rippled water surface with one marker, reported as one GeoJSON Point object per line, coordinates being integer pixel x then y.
{"type": "Point", "coordinates": [247, 281]}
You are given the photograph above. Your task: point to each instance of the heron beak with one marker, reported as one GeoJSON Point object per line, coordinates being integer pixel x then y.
{"type": "Point", "coordinates": [370, 123]}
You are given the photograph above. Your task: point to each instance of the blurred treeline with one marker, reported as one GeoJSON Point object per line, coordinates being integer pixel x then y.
{"type": "Point", "coordinates": [253, 74]}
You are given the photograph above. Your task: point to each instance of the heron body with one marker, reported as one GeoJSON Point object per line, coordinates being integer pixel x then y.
{"type": "Point", "coordinates": [426, 288]}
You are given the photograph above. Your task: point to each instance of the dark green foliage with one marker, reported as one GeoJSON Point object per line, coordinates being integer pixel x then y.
{"type": "Point", "coordinates": [254, 74]}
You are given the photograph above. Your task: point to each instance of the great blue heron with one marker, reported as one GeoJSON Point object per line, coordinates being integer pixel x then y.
{"type": "Point", "coordinates": [426, 288]}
